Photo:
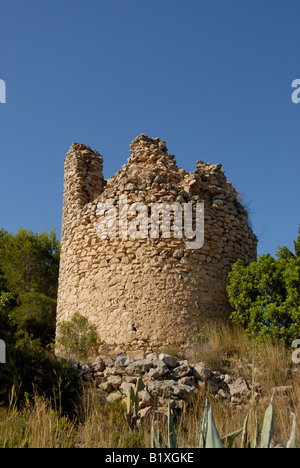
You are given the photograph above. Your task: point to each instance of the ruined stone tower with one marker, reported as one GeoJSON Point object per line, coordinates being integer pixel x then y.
{"type": "Point", "coordinates": [142, 293]}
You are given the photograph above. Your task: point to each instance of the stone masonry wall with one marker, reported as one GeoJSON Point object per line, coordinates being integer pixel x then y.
{"type": "Point", "coordinates": [142, 293]}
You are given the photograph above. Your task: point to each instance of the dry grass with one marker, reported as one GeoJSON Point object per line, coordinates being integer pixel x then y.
{"type": "Point", "coordinates": [38, 426]}
{"type": "Point", "coordinates": [103, 425]}
{"type": "Point", "coordinates": [226, 348]}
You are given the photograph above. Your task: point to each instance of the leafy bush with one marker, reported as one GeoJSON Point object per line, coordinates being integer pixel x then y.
{"type": "Point", "coordinates": [77, 337]}
{"type": "Point", "coordinates": [265, 296]}
{"type": "Point", "coordinates": [30, 262]}
{"type": "Point", "coordinates": [37, 313]}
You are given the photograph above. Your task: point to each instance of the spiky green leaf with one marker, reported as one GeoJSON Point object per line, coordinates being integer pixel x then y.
{"type": "Point", "coordinates": [256, 433]}
{"type": "Point", "coordinates": [128, 404]}
{"type": "Point", "coordinates": [140, 386]}
{"type": "Point", "coordinates": [203, 427]}
{"type": "Point", "coordinates": [172, 438]}
{"type": "Point", "coordinates": [229, 439]}
{"type": "Point", "coordinates": [268, 427]}
{"type": "Point", "coordinates": [213, 439]}
{"type": "Point", "coordinates": [155, 442]}
{"type": "Point", "coordinates": [292, 443]}
{"type": "Point", "coordinates": [245, 441]}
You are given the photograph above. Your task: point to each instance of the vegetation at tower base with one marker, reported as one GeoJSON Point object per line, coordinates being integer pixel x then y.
{"type": "Point", "coordinates": [265, 296]}
{"type": "Point", "coordinates": [77, 338]}
{"type": "Point", "coordinates": [132, 404]}
{"type": "Point", "coordinates": [247, 372]}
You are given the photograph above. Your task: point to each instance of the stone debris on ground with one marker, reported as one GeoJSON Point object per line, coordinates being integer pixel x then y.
{"type": "Point", "coordinates": [167, 381]}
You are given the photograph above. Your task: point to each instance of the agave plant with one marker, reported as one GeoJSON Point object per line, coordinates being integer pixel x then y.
{"type": "Point", "coordinates": [264, 439]}
{"type": "Point", "coordinates": [209, 436]}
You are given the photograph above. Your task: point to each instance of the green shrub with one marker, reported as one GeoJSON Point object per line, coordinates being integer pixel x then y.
{"type": "Point", "coordinates": [29, 266]}
{"type": "Point", "coordinates": [265, 296]}
{"type": "Point", "coordinates": [77, 337]}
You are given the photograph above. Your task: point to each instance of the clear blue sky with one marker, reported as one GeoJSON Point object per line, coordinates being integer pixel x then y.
{"type": "Point", "coordinates": [211, 77]}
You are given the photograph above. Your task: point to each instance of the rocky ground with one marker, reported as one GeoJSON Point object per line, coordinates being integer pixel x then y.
{"type": "Point", "coordinates": [167, 381]}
